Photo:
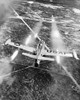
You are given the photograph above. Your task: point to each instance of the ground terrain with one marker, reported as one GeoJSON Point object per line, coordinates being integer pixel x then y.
{"type": "Point", "coordinates": [48, 81]}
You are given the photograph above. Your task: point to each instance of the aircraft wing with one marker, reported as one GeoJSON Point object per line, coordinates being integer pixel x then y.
{"type": "Point", "coordinates": [59, 53]}
{"type": "Point", "coordinates": [62, 54]}
{"type": "Point", "coordinates": [40, 58]}
{"type": "Point", "coordinates": [23, 47]}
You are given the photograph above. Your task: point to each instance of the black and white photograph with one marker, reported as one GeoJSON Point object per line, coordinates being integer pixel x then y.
{"type": "Point", "coordinates": [39, 49]}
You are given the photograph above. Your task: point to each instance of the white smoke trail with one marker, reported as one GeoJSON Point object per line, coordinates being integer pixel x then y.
{"type": "Point", "coordinates": [58, 59]}
{"type": "Point", "coordinates": [31, 38]}
{"type": "Point", "coordinates": [37, 28]}
{"type": "Point", "coordinates": [56, 37]}
{"type": "Point", "coordinates": [57, 43]}
{"type": "Point", "coordinates": [28, 40]}
{"type": "Point", "coordinates": [14, 55]}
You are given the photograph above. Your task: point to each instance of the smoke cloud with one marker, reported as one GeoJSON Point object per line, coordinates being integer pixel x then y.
{"type": "Point", "coordinates": [5, 9]}
{"type": "Point", "coordinates": [5, 66]}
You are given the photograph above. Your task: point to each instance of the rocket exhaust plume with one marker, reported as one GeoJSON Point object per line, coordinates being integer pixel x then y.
{"type": "Point", "coordinates": [31, 38]}
{"type": "Point", "coordinates": [58, 59]}
{"type": "Point", "coordinates": [57, 42]}
{"type": "Point", "coordinates": [56, 37]}
{"type": "Point", "coordinates": [14, 55]}
{"type": "Point", "coordinates": [37, 28]}
{"type": "Point", "coordinates": [28, 40]}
